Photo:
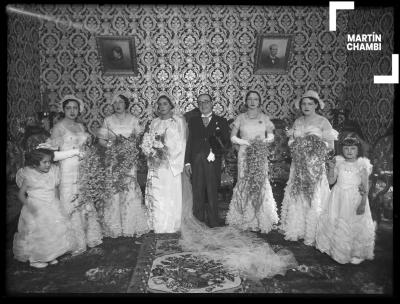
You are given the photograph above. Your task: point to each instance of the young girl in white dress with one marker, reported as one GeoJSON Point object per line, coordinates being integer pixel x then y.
{"type": "Point", "coordinates": [124, 214]}
{"type": "Point", "coordinates": [346, 230]}
{"type": "Point", "coordinates": [43, 228]}
{"type": "Point", "coordinates": [248, 213]}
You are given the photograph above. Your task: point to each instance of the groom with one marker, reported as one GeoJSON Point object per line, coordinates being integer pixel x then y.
{"type": "Point", "coordinates": [207, 140]}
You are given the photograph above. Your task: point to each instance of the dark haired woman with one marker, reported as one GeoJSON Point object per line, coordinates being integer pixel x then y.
{"type": "Point", "coordinates": [307, 189]}
{"type": "Point", "coordinates": [43, 229]}
{"type": "Point", "coordinates": [124, 214]}
{"type": "Point", "coordinates": [252, 211]}
{"type": "Point", "coordinates": [164, 184]}
{"type": "Point", "coordinates": [69, 134]}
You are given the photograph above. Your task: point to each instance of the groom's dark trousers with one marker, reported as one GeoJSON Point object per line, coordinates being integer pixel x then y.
{"type": "Point", "coordinates": [206, 175]}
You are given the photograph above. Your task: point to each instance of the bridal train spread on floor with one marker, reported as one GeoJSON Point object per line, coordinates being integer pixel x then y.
{"type": "Point", "coordinates": [242, 251]}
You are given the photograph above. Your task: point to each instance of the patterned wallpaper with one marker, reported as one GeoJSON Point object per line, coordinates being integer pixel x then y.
{"type": "Point", "coordinates": [185, 50]}
{"type": "Point", "coordinates": [371, 105]}
{"type": "Point", "coordinates": [23, 69]}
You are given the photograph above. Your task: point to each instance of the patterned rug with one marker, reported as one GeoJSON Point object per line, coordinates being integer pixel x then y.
{"type": "Point", "coordinates": [162, 267]}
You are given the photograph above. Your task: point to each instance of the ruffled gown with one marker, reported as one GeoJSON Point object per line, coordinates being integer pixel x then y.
{"type": "Point", "coordinates": [84, 219]}
{"type": "Point", "coordinates": [44, 236]}
{"type": "Point", "coordinates": [341, 233]}
{"type": "Point", "coordinates": [241, 213]}
{"type": "Point", "coordinates": [125, 214]}
{"type": "Point", "coordinates": [299, 216]}
{"type": "Point", "coordinates": [163, 196]}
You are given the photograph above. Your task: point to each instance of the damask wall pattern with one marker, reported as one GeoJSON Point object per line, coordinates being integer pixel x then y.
{"type": "Point", "coordinates": [371, 105]}
{"type": "Point", "coordinates": [185, 50]}
{"type": "Point", "coordinates": [23, 69]}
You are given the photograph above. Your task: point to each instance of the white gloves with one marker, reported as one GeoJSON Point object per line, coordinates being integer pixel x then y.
{"type": "Point", "coordinates": [61, 155]}
{"type": "Point", "coordinates": [270, 138]}
{"type": "Point", "coordinates": [239, 141]}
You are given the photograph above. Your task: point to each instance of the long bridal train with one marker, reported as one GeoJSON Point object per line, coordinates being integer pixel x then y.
{"type": "Point", "coordinates": [235, 249]}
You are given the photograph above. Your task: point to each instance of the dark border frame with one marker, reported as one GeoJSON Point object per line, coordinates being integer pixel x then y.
{"type": "Point", "coordinates": [259, 69]}
{"type": "Point", "coordinates": [104, 46]}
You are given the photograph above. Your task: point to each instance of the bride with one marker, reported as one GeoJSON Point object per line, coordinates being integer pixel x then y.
{"type": "Point", "coordinates": [236, 250]}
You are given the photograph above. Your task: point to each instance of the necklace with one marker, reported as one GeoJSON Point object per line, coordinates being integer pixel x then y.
{"type": "Point", "coordinates": [253, 117]}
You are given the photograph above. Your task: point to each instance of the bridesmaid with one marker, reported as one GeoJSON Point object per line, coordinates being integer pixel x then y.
{"type": "Point", "coordinates": [299, 214]}
{"type": "Point", "coordinates": [124, 214]}
{"type": "Point", "coordinates": [69, 134]}
{"type": "Point", "coordinates": [244, 213]}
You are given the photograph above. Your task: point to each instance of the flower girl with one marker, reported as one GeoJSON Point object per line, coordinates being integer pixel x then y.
{"type": "Point", "coordinates": [346, 230]}
{"type": "Point", "coordinates": [43, 233]}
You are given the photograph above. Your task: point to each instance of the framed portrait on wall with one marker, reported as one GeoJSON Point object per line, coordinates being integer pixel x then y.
{"type": "Point", "coordinates": [272, 54]}
{"type": "Point", "coordinates": [117, 55]}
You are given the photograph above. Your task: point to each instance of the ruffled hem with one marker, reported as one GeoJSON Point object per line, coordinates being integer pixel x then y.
{"type": "Point", "coordinates": [87, 231]}
{"type": "Point", "coordinates": [35, 242]}
{"type": "Point", "coordinates": [24, 250]}
{"type": "Point", "coordinates": [298, 219]}
{"type": "Point", "coordinates": [264, 220]}
{"type": "Point", "coordinates": [125, 216]}
{"type": "Point", "coordinates": [343, 242]}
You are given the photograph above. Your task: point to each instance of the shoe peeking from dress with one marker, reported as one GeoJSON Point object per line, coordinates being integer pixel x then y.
{"type": "Point", "coordinates": [356, 261]}
{"type": "Point", "coordinates": [38, 264]}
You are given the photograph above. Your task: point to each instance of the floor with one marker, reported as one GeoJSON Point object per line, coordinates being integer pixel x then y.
{"type": "Point", "coordinates": [109, 267]}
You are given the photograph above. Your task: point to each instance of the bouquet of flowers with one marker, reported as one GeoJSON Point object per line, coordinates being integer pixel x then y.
{"type": "Point", "coordinates": [93, 186]}
{"type": "Point", "coordinates": [155, 150]}
{"type": "Point", "coordinates": [309, 154]}
{"type": "Point", "coordinates": [256, 170]}
{"type": "Point", "coordinates": [105, 171]}
{"type": "Point", "coordinates": [120, 158]}
{"type": "Point", "coordinates": [153, 146]}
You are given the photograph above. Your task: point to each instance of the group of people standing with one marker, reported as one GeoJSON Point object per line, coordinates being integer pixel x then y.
{"type": "Point", "coordinates": [337, 222]}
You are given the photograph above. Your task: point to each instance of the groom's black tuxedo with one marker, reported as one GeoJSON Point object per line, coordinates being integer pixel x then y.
{"type": "Point", "coordinates": [206, 176]}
